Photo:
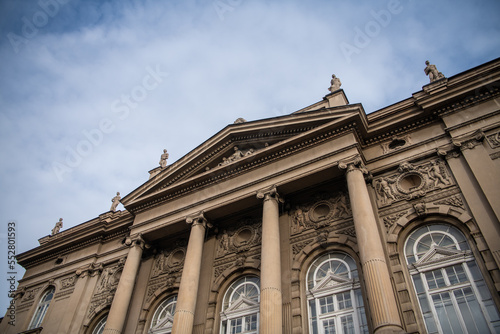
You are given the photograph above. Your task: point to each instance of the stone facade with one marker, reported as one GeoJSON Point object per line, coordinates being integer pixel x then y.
{"type": "Point", "coordinates": [239, 231]}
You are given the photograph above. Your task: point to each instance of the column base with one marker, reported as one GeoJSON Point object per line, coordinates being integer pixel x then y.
{"type": "Point", "coordinates": [389, 329]}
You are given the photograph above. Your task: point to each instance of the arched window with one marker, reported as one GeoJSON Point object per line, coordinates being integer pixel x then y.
{"type": "Point", "coordinates": [334, 296]}
{"type": "Point", "coordinates": [41, 309]}
{"type": "Point", "coordinates": [240, 308]}
{"type": "Point", "coordinates": [163, 317]}
{"type": "Point", "coordinates": [99, 328]}
{"type": "Point", "coordinates": [451, 291]}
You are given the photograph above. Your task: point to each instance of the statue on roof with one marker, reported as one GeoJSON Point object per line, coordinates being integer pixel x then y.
{"type": "Point", "coordinates": [115, 200]}
{"type": "Point", "coordinates": [58, 226]}
{"type": "Point", "coordinates": [335, 84]}
{"type": "Point", "coordinates": [163, 159]}
{"type": "Point", "coordinates": [432, 72]}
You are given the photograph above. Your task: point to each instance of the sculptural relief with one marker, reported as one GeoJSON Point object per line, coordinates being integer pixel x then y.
{"type": "Point", "coordinates": [411, 181]}
{"type": "Point", "coordinates": [322, 212]}
{"type": "Point", "coordinates": [242, 236]}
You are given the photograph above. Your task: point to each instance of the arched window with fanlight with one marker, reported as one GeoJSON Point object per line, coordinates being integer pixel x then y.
{"type": "Point", "coordinates": [451, 290]}
{"type": "Point", "coordinates": [163, 317]}
{"type": "Point", "coordinates": [41, 309]}
{"type": "Point", "coordinates": [99, 327]}
{"type": "Point", "coordinates": [240, 308]}
{"type": "Point", "coordinates": [334, 296]}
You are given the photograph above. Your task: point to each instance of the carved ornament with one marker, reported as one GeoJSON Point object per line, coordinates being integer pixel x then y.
{"type": "Point", "coordinates": [240, 237]}
{"type": "Point", "coordinates": [168, 262]}
{"type": "Point", "coordinates": [411, 181]}
{"type": "Point", "coordinates": [469, 141]}
{"type": "Point", "coordinates": [353, 163]}
{"type": "Point", "coordinates": [324, 211]}
{"type": "Point", "coordinates": [494, 140]}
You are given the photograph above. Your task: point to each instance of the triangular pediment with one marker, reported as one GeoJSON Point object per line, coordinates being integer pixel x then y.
{"type": "Point", "coordinates": [238, 144]}
{"type": "Point", "coordinates": [331, 280]}
{"type": "Point", "coordinates": [164, 326]}
{"type": "Point", "coordinates": [437, 253]}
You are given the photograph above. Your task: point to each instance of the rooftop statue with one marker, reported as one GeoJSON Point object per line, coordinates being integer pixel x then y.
{"type": "Point", "coordinates": [335, 84]}
{"type": "Point", "coordinates": [116, 201]}
{"type": "Point", "coordinates": [163, 159]}
{"type": "Point", "coordinates": [58, 226]}
{"type": "Point", "coordinates": [432, 72]}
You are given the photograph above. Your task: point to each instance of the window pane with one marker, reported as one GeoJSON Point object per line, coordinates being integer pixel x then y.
{"type": "Point", "coordinates": [446, 313]}
{"type": "Point", "coordinates": [347, 324]}
{"type": "Point", "coordinates": [456, 274]}
{"type": "Point", "coordinates": [329, 326]}
{"type": "Point", "coordinates": [326, 304]}
{"type": "Point", "coordinates": [344, 300]}
{"type": "Point", "coordinates": [435, 279]}
{"type": "Point", "coordinates": [251, 322]}
{"type": "Point", "coordinates": [471, 311]}
{"type": "Point", "coordinates": [236, 325]}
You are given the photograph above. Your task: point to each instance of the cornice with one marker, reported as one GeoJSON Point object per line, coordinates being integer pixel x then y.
{"type": "Point", "coordinates": [76, 238]}
{"type": "Point", "coordinates": [468, 101]}
{"type": "Point", "coordinates": [258, 160]}
{"type": "Point", "coordinates": [234, 190]}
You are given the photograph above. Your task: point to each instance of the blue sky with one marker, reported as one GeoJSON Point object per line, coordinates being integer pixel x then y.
{"type": "Point", "coordinates": [91, 92]}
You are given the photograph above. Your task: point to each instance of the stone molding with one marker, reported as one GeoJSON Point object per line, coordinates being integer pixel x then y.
{"type": "Point", "coordinates": [412, 181]}
{"type": "Point", "coordinates": [198, 219]}
{"type": "Point", "coordinates": [240, 237]}
{"type": "Point", "coordinates": [494, 140]}
{"type": "Point", "coordinates": [222, 174]}
{"type": "Point", "coordinates": [351, 164]}
{"type": "Point", "coordinates": [269, 193]}
{"type": "Point", "coordinates": [323, 210]}
{"type": "Point", "coordinates": [469, 141]}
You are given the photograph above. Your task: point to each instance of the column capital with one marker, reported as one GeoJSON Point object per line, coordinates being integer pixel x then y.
{"type": "Point", "coordinates": [469, 141]}
{"type": "Point", "coordinates": [353, 163]}
{"type": "Point", "coordinates": [269, 193]}
{"type": "Point", "coordinates": [136, 240]}
{"type": "Point", "coordinates": [448, 153]}
{"type": "Point", "coordinates": [198, 219]}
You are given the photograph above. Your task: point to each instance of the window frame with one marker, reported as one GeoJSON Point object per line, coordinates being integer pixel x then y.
{"type": "Point", "coordinates": [42, 308]}
{"type": "Point", "coordinates": [345, 282]}
{"type": "Point", "coordinates": [231, 311]}
{"type": "Point", "coordinates": [437, 259]}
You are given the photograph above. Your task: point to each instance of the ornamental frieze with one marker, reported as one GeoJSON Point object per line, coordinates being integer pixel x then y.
{"type": "Point", "coordinates": [494, 140]}
{"type": "Point", "coordinates": [167, 262]}
{"type": "Point", "coordinates": [323, 212]}
{"type": "Point", "coordinates": [68, 282]}
{"type": "Point", "coordinates": [411, 181]}
{"type": "Point", "coordinates": [240, 237]}
{"type": "Point", "coordinates": [110, 278]}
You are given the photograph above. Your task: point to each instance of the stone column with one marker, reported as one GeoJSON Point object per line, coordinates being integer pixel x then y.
{"type": "Point", "coordinates": [477, 203]}
{"type": "Point", "coordinates": [188, 289]}
{"type": "Point", "coordinates": [270, 266]}
{"type": "Point", "coordinates": [119, 307]}
{"type": "Point", "coordinates": [485, 171]}
{"type": "Point", "coordinates": [381, 298]}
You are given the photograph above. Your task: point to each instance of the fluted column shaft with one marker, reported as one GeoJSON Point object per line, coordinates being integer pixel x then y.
{"type": "Point", "coordinates": [188, 289]}
{"type": "Point", "coordinates": [381, 296]}
{"type": "Point", "coordinates": [270, 273]}
{"type": "Point", "coordinates": [119, 307]}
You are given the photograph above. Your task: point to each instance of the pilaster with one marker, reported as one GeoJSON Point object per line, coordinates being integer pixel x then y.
{"type": "Point", "coordinates": [484, 170]}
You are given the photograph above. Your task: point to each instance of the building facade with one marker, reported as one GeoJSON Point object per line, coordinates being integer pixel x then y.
{"type": "Point", "coordinates": [326, 220]}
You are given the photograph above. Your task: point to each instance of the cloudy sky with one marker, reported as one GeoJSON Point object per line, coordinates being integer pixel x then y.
{"type": "Point", "coordinates": [91, 92]}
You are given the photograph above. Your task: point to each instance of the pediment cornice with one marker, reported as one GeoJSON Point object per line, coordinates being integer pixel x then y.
{"type": "Point", "coordinates": [280, 140]}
